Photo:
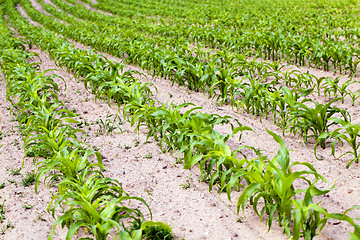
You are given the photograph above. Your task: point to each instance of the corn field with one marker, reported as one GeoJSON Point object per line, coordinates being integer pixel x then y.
{"type": "Point", "coordinates": [255, 101]}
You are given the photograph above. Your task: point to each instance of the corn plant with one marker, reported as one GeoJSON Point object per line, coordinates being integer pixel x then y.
{"type": "Point", "coordinates": [285, 102]}
{"type": "Point", "coordinates": [349, 133]}
{"type": "Point", "coordinates": [254, 97]}
{"type": "Point", "coordinates": [273, 182]}
{"type": "Point", "coordinates": [343, 92]}
{"type": "Point", "coordinates": [315, 120]}
{"type": "Point", "coordinates": [96, 203]}
{"type": "Point", "coordinates": [353, 96]}
{"type": "Point", "coordinates": [332, 86]}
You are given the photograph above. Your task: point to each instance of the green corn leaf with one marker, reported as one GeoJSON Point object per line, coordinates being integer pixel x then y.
{"type": "Point", "coordinates": [193, 160]}
{"type": "Point", "coordinates": [73, 229]}
{"type": "Point", "coordinates": [249, 191]}
{"type": "Point", "coordinates": [283, 154]}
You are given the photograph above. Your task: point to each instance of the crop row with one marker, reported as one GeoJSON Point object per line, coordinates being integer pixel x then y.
{"type": "Point", "coordinates": [321, 34]}
{"type": "Point", "coordinates": [193, 134]}
{"type": "Point", "coordinates": [240, 83]}
{"type": "Point", "coordinates": [89, 199]}
{"type": "Point", "coordinates": [194, 67]}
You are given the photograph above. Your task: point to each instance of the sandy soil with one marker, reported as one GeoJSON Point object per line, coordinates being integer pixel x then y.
{"type": "Point", "coordinates": [144, 171]}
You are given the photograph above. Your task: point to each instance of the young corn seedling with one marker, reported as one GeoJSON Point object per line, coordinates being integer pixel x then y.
{"type": "Point", "coordinates": [343, 90]}
{"type": "Point", "coordinates": [332, 86]}
{"type": "Point", "coordinates": [349, 133]}
{"type": "Point", "coordinates": [97, 203]}
{"type": "Point", "coordinates": [285, 102]}
{"type": "Point", "coordinates": [353, 96]}
{"type": "Point", "coordinates": [319, 84]}
{"type": "Point", "coordinates": [316, 120]}
{"type": "Point", "coordinates": [273, 182]}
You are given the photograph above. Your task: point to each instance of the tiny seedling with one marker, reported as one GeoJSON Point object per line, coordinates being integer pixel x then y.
{"type": "Point", "coordinates": [12, 129]}
{"type": "Point", "coordinates": [6, 227]}
{"type": "Point", "coordinates": [27, 206]}
{"type": "Point", "coordinates": [39, 217]}
{"type": "Point", "coordinates": [353, 96]}
{"type": "Point", "coordinates": [12, 181]}
{"type": "Point", "coordinates": [187, 183]}
{"type": "Point", "coordinates": [14, 171]}
{"type": "Point", "coordinates": [239, 220]}
{"type": "Point", "coordinates": [137, 142]}
{"type": "Point", "coordinates": [2, 211]}
{"type": "Point", "coordinates": [109, 125]}
{"type": "Point", "coordinates": [149, 155]}
{"type": "Point", "coordinates": [30, 179]}
{"type": "Point", "coordinates": [2, 185]}
{"type": "Point", "coordinates": [82, 123]}
{"type": "Point", "coordinates": [96, 148]}
{"type": "Point", "coordinates": [147, 191]}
